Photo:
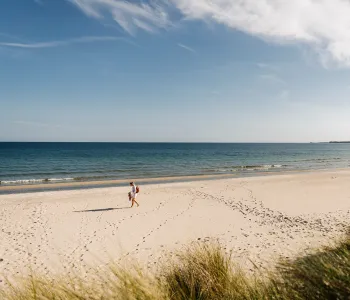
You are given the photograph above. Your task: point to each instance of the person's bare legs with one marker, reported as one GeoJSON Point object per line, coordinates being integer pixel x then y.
{"type": "Point", "coordinates": [133, 201]}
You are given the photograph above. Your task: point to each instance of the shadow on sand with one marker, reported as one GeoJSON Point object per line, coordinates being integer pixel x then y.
{"type": "Point", "coordinates": [102, 209]}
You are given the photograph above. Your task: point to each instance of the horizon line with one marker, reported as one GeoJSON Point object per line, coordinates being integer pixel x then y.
{"type": "Point", "coordinates": [174, 142]}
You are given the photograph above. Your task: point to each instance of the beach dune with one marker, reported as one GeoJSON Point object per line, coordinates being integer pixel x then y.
{"type": "Point", "coordinates": [257, 219]}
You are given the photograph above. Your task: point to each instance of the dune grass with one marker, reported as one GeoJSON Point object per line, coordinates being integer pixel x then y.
{"type": "Point", "coordinates": [322, 275]}
{"type": "Point", "coordinates": [203, 272]}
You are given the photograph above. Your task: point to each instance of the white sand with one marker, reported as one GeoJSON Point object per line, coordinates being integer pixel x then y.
{"type": "Point", "coordinates": [257, 218]}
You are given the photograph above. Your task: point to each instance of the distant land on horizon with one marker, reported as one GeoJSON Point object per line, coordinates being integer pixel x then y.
{"type": "Point", "coordinates": [339, 142]}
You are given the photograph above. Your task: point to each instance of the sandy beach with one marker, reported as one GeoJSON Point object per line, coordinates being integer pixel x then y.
{"type": "Point", "coordinates": [257, 219]}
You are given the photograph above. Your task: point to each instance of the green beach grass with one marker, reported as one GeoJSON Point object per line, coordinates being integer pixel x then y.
{"type": "Point", "coordinates": [202, 271]}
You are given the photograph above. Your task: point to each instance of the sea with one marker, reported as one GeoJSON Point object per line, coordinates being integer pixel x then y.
{"type": "Point", "coordinates": [40, 163]}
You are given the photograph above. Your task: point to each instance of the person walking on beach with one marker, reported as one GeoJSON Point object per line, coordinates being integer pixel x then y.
{"type": "Point", "coordinates": [133, 194]}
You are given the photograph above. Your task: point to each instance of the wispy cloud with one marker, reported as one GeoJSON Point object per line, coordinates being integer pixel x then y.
{"type": "Point", "coordinates": [284, 95]}
{"type": "Point", "coordinates": [272, 78]}
{"type": "Point", "coordinates": [130, 16]}
{"type": "Point", "coordinates": [36, 124]}
{"type": "Point", "coordinates": [40, 2]}
{"type": "Point", "coordinates": [53, 44]}
{"type": "Point", "coordinates": [267, 66]}
{"type": "Point", "coordinates": [275, 21]}
{"type": "Point", "coordinates": [186, 48]}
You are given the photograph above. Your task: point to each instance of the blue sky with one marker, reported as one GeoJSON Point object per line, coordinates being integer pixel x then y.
{"type": "Point", "coordinates": [184, 70]}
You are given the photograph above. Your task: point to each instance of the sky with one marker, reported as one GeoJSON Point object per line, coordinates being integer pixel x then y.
{"type": "Point", "coordinates": [175, 70]}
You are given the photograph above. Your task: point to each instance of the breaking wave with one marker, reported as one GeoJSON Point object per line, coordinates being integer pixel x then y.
{"type": "Point", "coordinates": [247, 168]}
{"type": "Point", "coordinates": [33, 181]}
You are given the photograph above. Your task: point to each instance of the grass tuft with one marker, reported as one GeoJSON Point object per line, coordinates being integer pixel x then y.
{"type": "Point", "coordinates": [200, 272]}
{"type": "Point", "coordinates": [322, 275]}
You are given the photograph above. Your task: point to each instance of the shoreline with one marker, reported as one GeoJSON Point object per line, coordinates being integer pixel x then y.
{"type": "Point", "coordinates": [81, 185]}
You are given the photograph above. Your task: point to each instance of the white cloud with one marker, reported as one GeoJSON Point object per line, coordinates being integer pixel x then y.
{"type": "Point", "coordinates": [186, 48]}
{"type": "Point", "coordinates": [272, 78]}
{"type": "Point", "coordinates": [52, 44]}
{"type": "Point", "coordinates": [323, 24]}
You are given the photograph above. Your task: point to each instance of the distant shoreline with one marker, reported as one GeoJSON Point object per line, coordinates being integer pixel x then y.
{"type": "Point", "coordinates": [339, 142]}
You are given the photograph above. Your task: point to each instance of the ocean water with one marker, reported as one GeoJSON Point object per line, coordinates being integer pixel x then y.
{"type": "Point", "coordinates": [33, 163]}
